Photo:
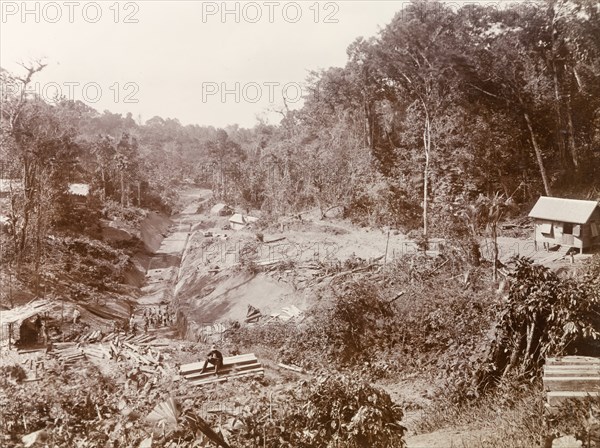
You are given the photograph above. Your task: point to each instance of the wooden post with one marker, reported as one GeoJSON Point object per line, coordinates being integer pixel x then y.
{"type": "Point", "coordinates": [386, 248]}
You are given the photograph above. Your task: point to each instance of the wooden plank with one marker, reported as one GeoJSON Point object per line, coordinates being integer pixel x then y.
{"type": "Point", "coordinates": [256, 371]}
{"type": "Point", "coordinates": [225, 366]}
{"type": "Point", "coordinates": [220, 379]}
{"type": "Point", "coordinates": [571, 360]}
{"type": "Point", "coordinates": [230, 359]}
{"type": "Point", "coordinates": [573, 366]}
{"type": "Point", "coordinates": [573, 383]}
{"type": "Point", "coordinates": [571, 372]}
{"type": "Point", "coordinates": [237, 358]}
{"type": "Point", "coordinates": [225, 371]}
{"type": "Point", "coordinates": [198, 366]}
{"type": "Point", "coordinates": [33, 350]}
{"type": "Point", "coordinates": [61, 345]}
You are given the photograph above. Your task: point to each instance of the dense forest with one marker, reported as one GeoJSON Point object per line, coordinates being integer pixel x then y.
{"type": "Point", "coordinates": [440, 109]}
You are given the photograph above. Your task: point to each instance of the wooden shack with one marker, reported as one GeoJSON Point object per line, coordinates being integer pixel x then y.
{"type": "Point", "coordinates": [12, 320]}
{"type": "Point", "coordinates": [566, 222]}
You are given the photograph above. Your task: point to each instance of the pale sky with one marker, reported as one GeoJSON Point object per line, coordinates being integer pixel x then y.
{"type": "Point", "coordinates": [185, 59]}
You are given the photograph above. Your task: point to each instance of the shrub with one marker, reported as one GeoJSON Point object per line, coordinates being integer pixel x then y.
{"type": "Point", "coordinates": [336, 410]}
{"type": "Point", "coordinates": [542, 316]}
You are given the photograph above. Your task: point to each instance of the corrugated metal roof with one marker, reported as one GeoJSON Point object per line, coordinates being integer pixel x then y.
{"type": "Point", "coordinates": [563, 210]}
{"type": "Point", "coordinates": [237, 218]}
{"type": "Point", "coordinates": [79, 189]}
{"type": "Point", "coordinates": [25, 311]}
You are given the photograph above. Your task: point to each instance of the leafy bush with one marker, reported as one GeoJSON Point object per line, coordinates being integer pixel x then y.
{"type": "Point", "coordinates": [542, 316]}
{"type": "Point", "coordinates": [347, 331]}
{"type": "Point", "coordinates": [336, 410]}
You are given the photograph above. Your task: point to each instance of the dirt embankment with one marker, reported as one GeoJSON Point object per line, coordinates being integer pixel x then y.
{"type": "Point", "coordinates": [153, 230]}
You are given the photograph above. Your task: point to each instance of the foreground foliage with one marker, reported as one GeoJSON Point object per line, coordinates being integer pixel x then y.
{"type": "Point", "coordinates": [335, 410]}
{"type": "Point", "coordinates": [543, 315]}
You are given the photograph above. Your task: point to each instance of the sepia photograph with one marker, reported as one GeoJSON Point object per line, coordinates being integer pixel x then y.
{"type": "Point", "coordinates": [300, 224]}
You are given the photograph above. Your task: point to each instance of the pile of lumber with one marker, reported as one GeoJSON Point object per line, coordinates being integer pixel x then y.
{"type": "Point", "coordinates": [68, 352]}
{"type": "Point", "coordinates": [233, 367]}
{"type": "Point", "coordinates": [96, 351]}
{"type": "Point", "coordinates": [571, 377]}
{"type": "Point", "coordinates": [145, 339]}
{"type": "Point", "coordinates": [135, 349]}
{"type": "Point", "coordinates": [92, 336]}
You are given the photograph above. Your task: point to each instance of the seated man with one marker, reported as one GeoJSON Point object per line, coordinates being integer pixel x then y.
{"type": "Point", "coordinates": [215, 357]}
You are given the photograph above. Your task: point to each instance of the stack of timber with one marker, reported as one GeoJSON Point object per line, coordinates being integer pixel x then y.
{"type": "Point", "coordinates": [138, 350]}
{"type": "Point", "coordinates": [96, 351]}
{"type": "Point", "coordinates": [571, 377]}
{"type": "Point", "coordinates": [92, 336]}
{"type": "Point", "coordinates": [233, 367]}
{"type": "Point", "coordinates": [69, 354]}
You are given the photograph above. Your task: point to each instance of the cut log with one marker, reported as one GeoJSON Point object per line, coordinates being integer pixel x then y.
{"type": "Point", "coordinates": [289, 367]}
{"type": "Point", "coordinates": [275, 240]}
{"type": "Point", "coordinates": [132, 347]}
{"type": "Point", "coordinates": [148, 370]}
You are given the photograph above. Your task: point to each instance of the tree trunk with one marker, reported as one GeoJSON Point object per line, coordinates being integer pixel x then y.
{"type": "Point", "coordinates": [530, 333]}
{"type": "Point", "coordinates": [122, 189]}
{"type": "Point", "coordinates": [426, 147]}
{"type": "Point", "coordinates": [538, 155]}
{"type": "Point", "coordinates": [103, 185]}
{"type": "Point", "coordinates": [514, 356]}
{"type": "Point", "coordinates": [495, 246]}
{"type": "Point", "coordinates": [367, 130]}
{"type": "Point", "coordinates": [572, 146]}
{"type": "Point", "coordinates": [557, 101]}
